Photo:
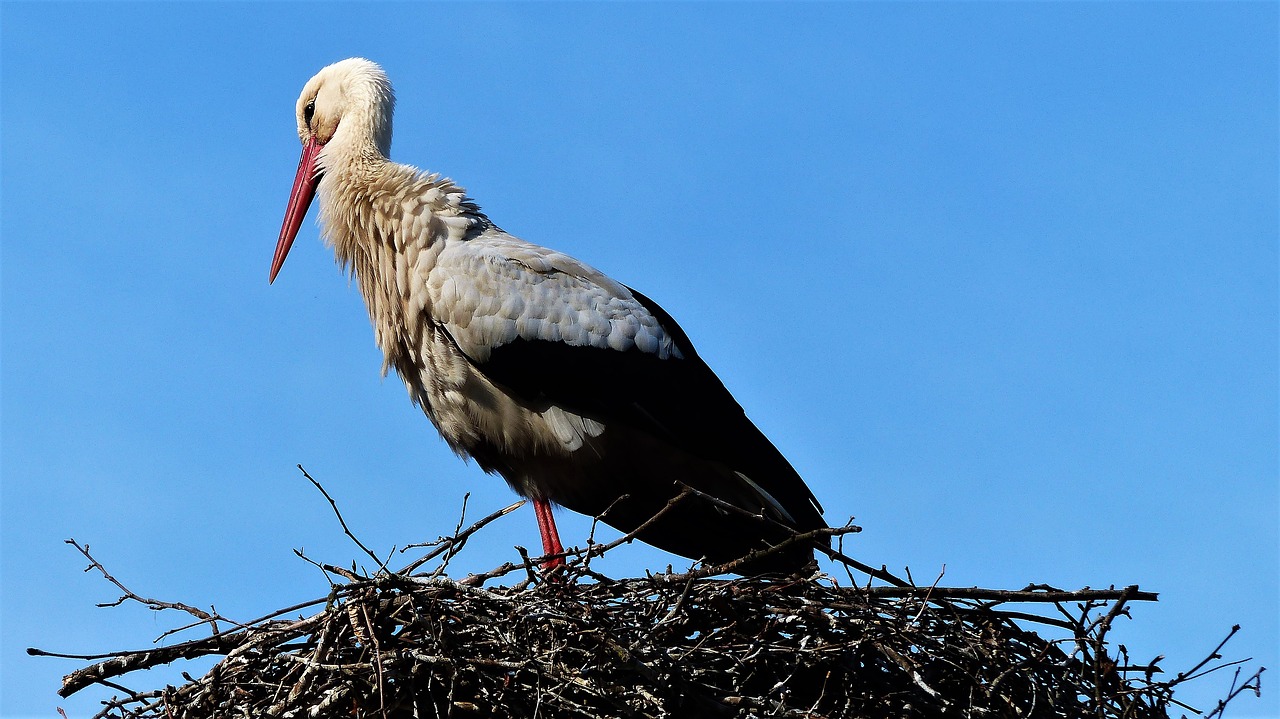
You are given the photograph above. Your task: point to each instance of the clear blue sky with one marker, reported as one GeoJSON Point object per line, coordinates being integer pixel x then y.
{"type": "Point", "coordinates": [1000, 279]}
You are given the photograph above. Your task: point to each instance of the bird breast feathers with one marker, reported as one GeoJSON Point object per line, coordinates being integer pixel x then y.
{"type": "Point", "coordinates": [494, 289]}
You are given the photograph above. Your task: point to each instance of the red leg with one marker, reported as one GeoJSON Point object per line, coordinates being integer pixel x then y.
{"type": "Point", "coordinates": [550, 537]}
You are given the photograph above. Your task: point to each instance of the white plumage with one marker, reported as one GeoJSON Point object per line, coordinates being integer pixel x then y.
{"type": "Point", "coordinates": [574, 388]}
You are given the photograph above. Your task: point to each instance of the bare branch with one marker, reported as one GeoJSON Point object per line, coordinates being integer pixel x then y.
{"type": "Point", "coordinates": [381, 564]}
{"type": "Point", "coordinates": [154, 604]}
{"type": "Point", "coordinates": [455, 543]}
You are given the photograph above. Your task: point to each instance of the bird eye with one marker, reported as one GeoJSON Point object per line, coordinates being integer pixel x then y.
{"type": "Point", "coordinates": [308, 111]}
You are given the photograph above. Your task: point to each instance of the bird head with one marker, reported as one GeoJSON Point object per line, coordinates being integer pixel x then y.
{"type": "Point", "coordinates": [344, 118]}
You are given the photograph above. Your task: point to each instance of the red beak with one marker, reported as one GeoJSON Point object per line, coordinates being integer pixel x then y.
{"type": "Point", "coordinates": [304, 191]}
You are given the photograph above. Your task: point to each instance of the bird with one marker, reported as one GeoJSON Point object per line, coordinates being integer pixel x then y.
{"type": "Point", "coordinates": [577, 390]}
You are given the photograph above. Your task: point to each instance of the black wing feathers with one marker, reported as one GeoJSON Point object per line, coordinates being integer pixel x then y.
{"type": "Point", "coordinates": [680, 401]}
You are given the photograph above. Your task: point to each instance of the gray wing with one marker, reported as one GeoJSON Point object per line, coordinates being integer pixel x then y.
{"type": "Point", "coordinates": [496, 289]}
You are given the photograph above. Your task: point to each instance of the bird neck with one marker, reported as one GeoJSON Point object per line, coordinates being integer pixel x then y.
{"type": "Point", "coordinates": [377, 204]}
{"type": "Point", "coordinates": [387, 223]}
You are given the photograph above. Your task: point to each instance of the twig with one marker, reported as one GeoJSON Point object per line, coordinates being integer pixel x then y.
{"type": "Point", "coordinates": [381, 564]}
{"type": "Point", "coordinates": [1253, 683]}
{"type": "Point", "coordinates": [595, 550]}
{"type": "Point", "coordinates": [1006, 595]}
{"type": "Point", "coordinates": [823, 547]}
{"type": "Point", "coordinates": [459, 539]}
{"type": "Point", "coordinates": [154, 604]}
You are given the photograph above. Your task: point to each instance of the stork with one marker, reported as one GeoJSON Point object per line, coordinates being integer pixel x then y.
{"type": "Point", "coordinates": [577, 390]}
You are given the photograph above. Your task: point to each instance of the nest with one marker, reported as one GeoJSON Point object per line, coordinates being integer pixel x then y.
{"type": "Point", "coordinates": [570, 642]}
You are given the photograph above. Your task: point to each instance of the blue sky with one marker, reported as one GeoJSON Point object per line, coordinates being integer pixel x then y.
{"type": "Point", "coordinates": [999, 279]}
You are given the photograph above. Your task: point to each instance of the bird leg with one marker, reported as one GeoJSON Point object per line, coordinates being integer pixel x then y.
{"type": "Point", "coordinates": [550, 537]}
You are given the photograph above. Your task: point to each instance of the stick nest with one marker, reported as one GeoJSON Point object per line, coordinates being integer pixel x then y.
{"type": "Point", "coordinates": [571, 642]}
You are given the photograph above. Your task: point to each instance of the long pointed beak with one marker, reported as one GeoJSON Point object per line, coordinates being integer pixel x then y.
{"type": "Point", "coordinates": [304, 191]}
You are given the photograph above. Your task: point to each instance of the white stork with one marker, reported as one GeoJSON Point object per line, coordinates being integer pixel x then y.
{"type": "Point", "coordinates": [576, 389]}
